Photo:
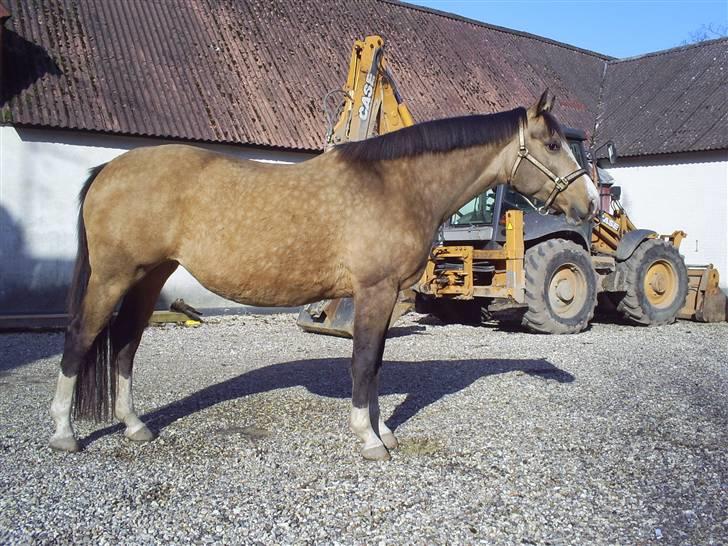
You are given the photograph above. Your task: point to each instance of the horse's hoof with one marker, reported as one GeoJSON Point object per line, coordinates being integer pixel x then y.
{"type": "Point", "coordinates": [142, 434]}
{"type": "Point", "coordinates": [65, 443]}
{"type": "Point", "coordinates": [376, 453]}
{"type": "Point", "coordinates": [390, 441]}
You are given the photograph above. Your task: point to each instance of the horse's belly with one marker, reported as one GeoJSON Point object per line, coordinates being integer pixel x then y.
{"type": "Point", "coordinates": [273, 280]}
{"type": "Point", "coordinates": [269, 295]}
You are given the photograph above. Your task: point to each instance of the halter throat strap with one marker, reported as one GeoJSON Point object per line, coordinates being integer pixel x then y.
{"type": "Point", "coordinates": [560, 182]}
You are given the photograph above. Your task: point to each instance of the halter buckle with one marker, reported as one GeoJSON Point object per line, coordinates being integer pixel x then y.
{"type": "Point", "coordinates": [561, 184]}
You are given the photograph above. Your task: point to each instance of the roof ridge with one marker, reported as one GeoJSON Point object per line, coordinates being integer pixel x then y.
{"type": "Point", "coordinates": [497, 28]}
{"type": "Point", "coordinates": [685, 47]}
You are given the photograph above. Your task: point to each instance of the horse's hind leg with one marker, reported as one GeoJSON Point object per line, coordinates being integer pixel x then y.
{"type": "Point", "coordinates": [373, 310]}
{"type": "Point", "coordinates": [126, 333]}
{"type": "Point", "coordinates": [91, 319]}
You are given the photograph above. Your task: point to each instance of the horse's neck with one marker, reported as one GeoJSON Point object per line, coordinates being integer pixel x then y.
{"type": "Point", "coordinates": [444, 182]}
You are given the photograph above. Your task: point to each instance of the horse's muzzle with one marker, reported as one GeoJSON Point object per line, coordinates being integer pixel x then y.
{"type": "Point", "coordinates": [593, 209]}
{"type": "Point", "coordinates": [576, 216]}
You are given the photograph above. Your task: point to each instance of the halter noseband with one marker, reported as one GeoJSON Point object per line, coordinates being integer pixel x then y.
{"type": "Point", "coordinates": [560, 183]}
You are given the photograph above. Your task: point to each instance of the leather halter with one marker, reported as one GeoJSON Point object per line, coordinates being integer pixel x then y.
{"type": "Point", "coordinates": [560, 182]}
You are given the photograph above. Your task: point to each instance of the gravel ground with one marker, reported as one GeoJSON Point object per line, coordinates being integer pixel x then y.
{"type": "Point", "coordinates": [616, 435]}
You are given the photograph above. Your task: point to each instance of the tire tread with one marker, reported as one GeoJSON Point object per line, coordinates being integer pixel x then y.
{"type": "Point", "coordinates": [631, 305]}
{"type": "Point", "coordinates": [538, 318]}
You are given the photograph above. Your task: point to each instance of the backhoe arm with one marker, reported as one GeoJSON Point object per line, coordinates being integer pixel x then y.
{"type": "Point", "coordinates": [372, 104]}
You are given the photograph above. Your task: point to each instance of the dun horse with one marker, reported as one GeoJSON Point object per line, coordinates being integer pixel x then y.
{"type": "Point", "coordinates": [357, 221]}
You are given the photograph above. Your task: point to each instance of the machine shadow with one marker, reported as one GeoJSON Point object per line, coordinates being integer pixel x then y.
{"type": "Point", "coordinates": [423, 383]}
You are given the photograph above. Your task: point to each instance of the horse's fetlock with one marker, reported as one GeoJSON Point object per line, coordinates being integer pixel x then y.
{"type": "Point", "coordinates": [376, 453]}
{"type": "Point", "coordinates": [139, 433]}
{"type": "Point", "coordinates": [65, 443]}
{"type": "Point", "coordinates": [359, 420]}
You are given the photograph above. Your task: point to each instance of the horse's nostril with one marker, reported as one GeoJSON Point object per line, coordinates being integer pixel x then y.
{"type": "Point", "coordinates": [593, 209]}
{"type": "Point", "coordinates": [579, 216]}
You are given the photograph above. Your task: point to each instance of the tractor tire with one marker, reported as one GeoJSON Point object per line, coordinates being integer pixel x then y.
{"type": "Point", "coordinates": [561, 288]}
{"type": "Point", "coordinates": [655, 285]}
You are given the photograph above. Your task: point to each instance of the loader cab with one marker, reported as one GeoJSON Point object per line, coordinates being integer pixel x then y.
{"type": "Point", "coordinates": [576, 139]}
{"type": "Point", "coordinates": [480, 222]}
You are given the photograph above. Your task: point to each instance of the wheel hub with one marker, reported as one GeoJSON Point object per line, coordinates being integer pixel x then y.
{"type": "Point", "coordinates": [660, 283]}
{"type": "Point", "coordinates": [567, 291]}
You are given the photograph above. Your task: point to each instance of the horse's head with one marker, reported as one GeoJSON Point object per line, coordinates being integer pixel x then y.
{"type": "Point", "coordinates": [545, 167]}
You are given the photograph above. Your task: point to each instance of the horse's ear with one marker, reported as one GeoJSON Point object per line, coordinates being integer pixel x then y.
{"type": "Point", "coordinates": [545, 103]}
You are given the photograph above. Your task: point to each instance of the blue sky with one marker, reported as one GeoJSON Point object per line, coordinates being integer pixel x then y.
{"type": "Point", "coordinates": [620, 28]}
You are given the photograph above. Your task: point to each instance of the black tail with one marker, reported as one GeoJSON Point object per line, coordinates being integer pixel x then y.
{"type": "Point", "coordinates": [95, 384]}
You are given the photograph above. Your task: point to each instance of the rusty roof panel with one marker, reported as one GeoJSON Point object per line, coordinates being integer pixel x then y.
{"type": "Point", "coordinates": [670, 101]}
{"type": "Point", "coordinates": [255, 72]}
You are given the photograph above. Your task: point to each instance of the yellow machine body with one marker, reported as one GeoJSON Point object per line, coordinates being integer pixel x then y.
{"type": "Point", "coordinates": [372, 105]}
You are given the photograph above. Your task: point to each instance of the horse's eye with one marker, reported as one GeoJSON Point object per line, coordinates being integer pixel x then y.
{"type": "Point", "coordinates": [553, 146]}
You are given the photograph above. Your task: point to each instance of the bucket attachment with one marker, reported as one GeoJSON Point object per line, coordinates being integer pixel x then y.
{"type": "Point", "coordinates": [706, 302]}
{"type": "Point", "coordinates": [330, 317]}
{"type": "Point", "coordinates": [336, 317]}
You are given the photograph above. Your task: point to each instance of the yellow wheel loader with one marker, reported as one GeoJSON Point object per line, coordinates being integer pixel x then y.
{"type": "Point", "coordinates": [566, 268]}
{"type": "Point", "coordinates": [499, 258]}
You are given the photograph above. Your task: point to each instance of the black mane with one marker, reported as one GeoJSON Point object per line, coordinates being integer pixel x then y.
{"type": "Point", "coordinates": [439, 136]}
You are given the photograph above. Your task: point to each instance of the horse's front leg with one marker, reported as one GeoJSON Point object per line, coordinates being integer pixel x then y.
{"type": "Point", "coordinates": [373, 308]}
{"type": "Point", "coordinates": [383, 431]}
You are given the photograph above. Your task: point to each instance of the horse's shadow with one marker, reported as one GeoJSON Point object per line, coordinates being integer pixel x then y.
{"type": "Point", "coordinates": [423, 383]}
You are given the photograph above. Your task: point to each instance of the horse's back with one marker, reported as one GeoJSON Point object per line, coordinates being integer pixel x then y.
{"type": "Point", "coordinates": [252, 232]}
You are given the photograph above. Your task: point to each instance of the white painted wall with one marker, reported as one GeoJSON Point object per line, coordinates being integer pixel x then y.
{"type": "Point", "coordinates": [681, 191]}
{"type": "Point", "coordinates": [41, 173]}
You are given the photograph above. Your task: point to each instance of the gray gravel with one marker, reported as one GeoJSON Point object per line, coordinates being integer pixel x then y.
{"type": "Point", "coordinates": [616, 435]}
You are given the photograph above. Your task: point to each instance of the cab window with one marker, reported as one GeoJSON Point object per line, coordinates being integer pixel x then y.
{"type": "Point", "coordinates": [477, 211]}
{"type": "Point", "coordinates": [578, 151]}
{"type": "Point", "coordinates": [514, 200]}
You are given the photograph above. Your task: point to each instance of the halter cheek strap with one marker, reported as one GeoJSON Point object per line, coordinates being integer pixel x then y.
{"type": "Point", "coordinates": [560, 182]}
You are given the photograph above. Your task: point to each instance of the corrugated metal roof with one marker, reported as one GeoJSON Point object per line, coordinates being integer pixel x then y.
{"type": "Point", "coordinates": [255, 72]}
{"type": "Point", "coordinates": [669, 101]}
